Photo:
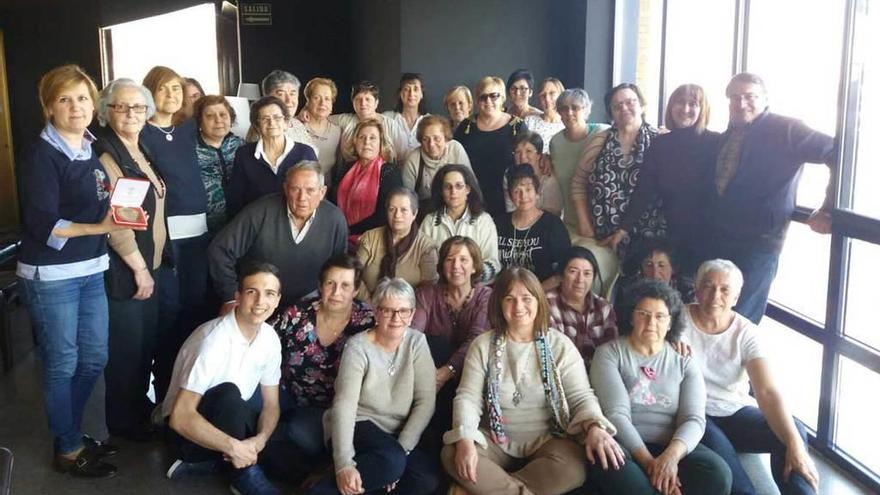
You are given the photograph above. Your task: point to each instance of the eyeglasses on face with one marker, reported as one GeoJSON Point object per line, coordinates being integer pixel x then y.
{"type": "Point", "coordinates": [647, 315]}
{"type": "Point", "coordinates": [124, 108]}
{"type": "Point", "coordinates": [391, 312]}
{"type": "Point", "coordinates": [630, 102]}
{"type": "Point", "coordinates": [457, 186]}
{"type": "Point", "coordinates": [490, 96]}
{"type": "Point", "coordinates": [270, 119]}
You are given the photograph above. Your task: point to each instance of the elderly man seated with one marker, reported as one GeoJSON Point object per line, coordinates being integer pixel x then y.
{"type": "Point", "coordinates": [298, 231]}
{"type": "Point", "coordinates": [217, 370]}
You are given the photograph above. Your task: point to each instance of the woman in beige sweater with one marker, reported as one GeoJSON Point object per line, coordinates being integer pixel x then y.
{"type": "Point", "coordinates": [398, 249]}
{"type": "Point", "coordinates": [525, 400]}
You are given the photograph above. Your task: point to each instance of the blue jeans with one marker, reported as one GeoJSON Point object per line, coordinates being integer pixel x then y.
{"type": "Point", "coordinates": [381, 461]}
{"type": "Point", "coordinates": [69, 319]}
{"type": "Point", "coordinates": [759, 270]}
{"type": "Point", "coordinates": [747, 431]}
{"type": "Point", "coordinates": [302, 426]}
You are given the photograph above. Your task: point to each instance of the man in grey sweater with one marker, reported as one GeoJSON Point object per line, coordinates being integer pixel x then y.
{"type": "Point", "coordinates": [296, 231]}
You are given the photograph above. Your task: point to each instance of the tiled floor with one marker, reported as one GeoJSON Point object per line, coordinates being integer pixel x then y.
{"type": "Point", "coordinates": [141, 466]}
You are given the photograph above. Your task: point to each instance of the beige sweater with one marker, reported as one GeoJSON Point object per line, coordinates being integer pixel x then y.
{"type": "Point", "coordinates": [527, 424]}
{"type": "Point", "coordinates": [417, 265]}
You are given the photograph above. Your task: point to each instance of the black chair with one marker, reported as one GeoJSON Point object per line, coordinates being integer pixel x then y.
{"type": "Point", "coordinates": [5, 471]}
{"type": "Point", "coordinates": [9, 299]}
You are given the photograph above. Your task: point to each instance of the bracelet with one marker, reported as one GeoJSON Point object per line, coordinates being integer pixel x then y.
{"type": "Point", "coordinates": [451, 368]}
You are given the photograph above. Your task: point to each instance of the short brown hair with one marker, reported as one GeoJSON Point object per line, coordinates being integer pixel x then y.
{"type": "Point", "coordinates": [343, 261]}
{"type": "Point", "coordinates": [208, 100]}
{"type": "Point", "coordinates": [60, 78]}
{"type": "Point", "coordinates": [689, 91]}
{"type": "Point", "coordinates": [429, 120]}
{"type": "Point", "coordinates": [503, 284]}
{"type": "Point", "coordinates": [384, 151]}
{"type": "Point", "coordinates": [554, 82]}
{"type": "Point", "coordinates": [473, 250]}
{"type": "Point", "coordinates": [320, 81]}
{"type": "Point", "coordinates": [365, 87]}
{"type": "Point", "coordinates": [263, 103]}
{"type": "Point", "coordinates": [160, 75]}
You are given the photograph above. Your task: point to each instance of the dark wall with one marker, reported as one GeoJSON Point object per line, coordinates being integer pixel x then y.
{"type": "Point", "coordinates": [598, 58]}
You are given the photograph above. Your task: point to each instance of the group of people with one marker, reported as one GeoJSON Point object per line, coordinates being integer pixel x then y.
{"type": "Point", "coordinates": [399, 291]}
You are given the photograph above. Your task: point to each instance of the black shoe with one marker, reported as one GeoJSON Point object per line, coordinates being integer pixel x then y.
{"type": "Point", "coordinates": [99, 448]}
{"type": "Point", "coordinates": [86, 465]}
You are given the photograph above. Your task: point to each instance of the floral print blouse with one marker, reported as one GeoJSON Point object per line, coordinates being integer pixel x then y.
{"type": "Point", "coordinates": [308, 368]}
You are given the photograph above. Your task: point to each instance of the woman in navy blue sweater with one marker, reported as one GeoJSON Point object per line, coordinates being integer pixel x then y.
{"type": "Point", "coordinates": [64, 221]}
{"type": "Point", "coordinates": [259, 168]}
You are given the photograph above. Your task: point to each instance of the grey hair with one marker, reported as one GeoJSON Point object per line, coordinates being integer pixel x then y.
{"type": "Point", "coordinates": [404, 191]}
{"type": "Point", "coordinates": [578, 96]}
{"type": "Point", "coordinates": [307, 165]}
{"type": "Point", "coordinates": [277, 78]}
{"type": "Point", "coordinates": [109, 91]}
{"type": "Point", "coordinates": [397, 288]}
{"type": "Point", "coordinates": [727, 267]}
{"type": "Point", "coordinates": [745, 78]}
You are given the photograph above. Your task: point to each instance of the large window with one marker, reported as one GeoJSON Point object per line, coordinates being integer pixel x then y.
{"type": "Point", "coordinates": [818, 59]}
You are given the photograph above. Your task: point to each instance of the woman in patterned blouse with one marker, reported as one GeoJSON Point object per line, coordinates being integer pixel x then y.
{"type": "Point", "coordinates": [313, 333]}
{"type": "Point", "coordinates": [215, 151]}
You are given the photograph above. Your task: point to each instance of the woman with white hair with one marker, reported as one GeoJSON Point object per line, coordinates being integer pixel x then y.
{"type": "Point", "coordinates": [285, 86]}
{"type": "Point", "coordinates": [135, 255]}
{"type": "Point", "coordinates": [385, 393]}
{"type": "Point", "coordinates": [729, 351]}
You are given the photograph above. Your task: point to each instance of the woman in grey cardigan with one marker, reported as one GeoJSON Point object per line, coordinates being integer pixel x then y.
{"type": "Point", "coordinates": [524, 403]}
{"type": "Point", "coordinates": [384, 398]}
{"type": "Point", "coordinates": [656, 399]}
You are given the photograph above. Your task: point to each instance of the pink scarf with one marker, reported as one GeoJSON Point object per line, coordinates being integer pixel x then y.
{"type": "Point", "coordinates": [359, 190]}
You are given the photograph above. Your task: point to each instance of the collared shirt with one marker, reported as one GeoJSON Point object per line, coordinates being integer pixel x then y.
{"type": "Point", "coordinates": [729, 157]}
{"type": "Point", "coordinates": [589, 328]}
{"type": "Point", "coordinates": [260, 154]}
{"type": "Point", "coordinates": [456, 226]}
{"type": "Point", "coordinates": [217, 352]}
{"type": "Point", "coordinates": [300, 234]}
{"type": "Point", "coordinates": [64, 271]}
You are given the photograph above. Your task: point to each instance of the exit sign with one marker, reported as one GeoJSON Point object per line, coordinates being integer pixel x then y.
{"type": "Point", "coordinates": [256, 14]}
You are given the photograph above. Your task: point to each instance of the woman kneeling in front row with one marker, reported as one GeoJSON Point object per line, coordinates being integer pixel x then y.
{"type": "Point", "coordinates": [532, 385]}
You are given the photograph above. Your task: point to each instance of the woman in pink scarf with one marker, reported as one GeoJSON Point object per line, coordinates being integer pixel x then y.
{"type": "Point", "coordinates": [360, 187]}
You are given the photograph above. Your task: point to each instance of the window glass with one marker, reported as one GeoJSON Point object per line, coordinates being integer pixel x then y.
{"type": "Point", "coordinates": [801, 282]}
{"type": "Point", "coordinates": [857, 425]}
{"type": "Point", "coordinates": [861, 296]}
{"type": "Point", "coordinates": [796, 362]}
{"type": "Point", "coordinates": [699, 50]}
{"type": "Point", "coordinates": [637, 49]}
{"type": "Point", "coordinates": [865, 67]}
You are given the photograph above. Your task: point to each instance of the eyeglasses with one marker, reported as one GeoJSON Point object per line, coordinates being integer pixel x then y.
{"type": "Point", "coordinates": [631, 103]}
{"type": "Point", "coordinates": [747, 97]}
{"type": "Point", "coordinates": [269, 120]}
{"type": "Point", "coordinates": [124, 108]}
{"type": "Point", "coordinates": [489, 96]}
{"type": "Point", "coordinates": [458, 186]}
{"type": "Point", "coordinates": [391, 312]}
{"type": "Point", "coordinates": [647, 315]}
{"type": "Point", "coordinates": [519, 89]}
{"type": "Point", "coordinates": [572, 108]}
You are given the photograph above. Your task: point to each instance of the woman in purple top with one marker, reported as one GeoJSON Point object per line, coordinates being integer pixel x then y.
{"type": "Point", "coordinates": [313, 333]}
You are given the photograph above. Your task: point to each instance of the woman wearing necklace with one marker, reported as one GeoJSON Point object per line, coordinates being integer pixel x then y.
{"type": "Point", "coordinates": [409, 112]}
{"type": "Point", "coordinates": [525, 401]}
{"type": "Point", "coordinates": [398, 249]}
{"type": "Point", "coordinates": [549, 123]}
{"type": "Point", "coordinates": [172, 144]}
{"type": "Point", "coordinates": [458, 210]}
{"type": "Point", "coordinates": [260, 168]}
{"type": "Point", "coordinates": [519, 85]}
{"type": "Point", "coordinates": [527, 149]}
{"type": "Point", "coordinates": [437, 149]}
{"type": "Point", "coordinates": [313, 334]}
{"type": "Point", "coordinates": [216, 152]}
{"type": "Point", "coordinates": [123, 109]}
{"type": "Point", "coordinates": [656, 399]}
{"type": "Point", "coordinates": [488, 141]}
{"type": "Point", "coordinates": [320, 96]}
{"type": "Point", "coordinates": [383, 401]}
{"type": "Point", "coordinates": [529, 237]}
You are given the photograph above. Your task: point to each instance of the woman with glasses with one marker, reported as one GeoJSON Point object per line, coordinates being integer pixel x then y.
{"type": "Point", "coordinates": [383, 401]}
{"type": "Point", "coordinates": [285, 86]}
{"type": "Point", "coordinates": [656, 399]}
{"type": "Point", "coordinates": [519, 86]}
{"type": "Point", "coordinates": [525, 419]}
{"type": "Point", "coordinates": [409, 112]}
{"type": "Point", "coordinates": [527, 150]}
{"type": "Point", "coordinates": [259, 168]}
{"type": "Point", "coordinates": [548, 124]}
{"type": "Point", "coordinates": [123, 109]}
{"type": "Point", "coordinates": [437, 149]}
{"type": "Point", "coordinates": [458, 210]}
{"type": "Point", "coordinates": [609, 170]}
{"type": "Point", "coordinates": [488, 140]}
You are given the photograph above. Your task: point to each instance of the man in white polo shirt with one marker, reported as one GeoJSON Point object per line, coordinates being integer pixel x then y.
{"type": "Point", "coordinates": [216, 372]}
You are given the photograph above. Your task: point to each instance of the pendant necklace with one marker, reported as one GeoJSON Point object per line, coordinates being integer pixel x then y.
{"type": "Point", "coordinates": [523, 359]}
{"type": "Point", "coordinates": [392, 366]}
{"type": "Point", "coordinates": [169, 135]}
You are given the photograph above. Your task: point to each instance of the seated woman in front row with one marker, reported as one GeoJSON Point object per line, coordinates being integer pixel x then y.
{"type": "Point", "coordinates": [313, 334]}
{"type": "Point", "coordinates": [728, 349]}
{"type": "Point", "coordinates": [458, 210]}
{"type": "Point", "coordinates": [397, 249]}
{"type": "Point", "coordinates": [525, 406]}
{"type": "Point", "coordinates": [384, 400]}
{"type": "Point", "coordinates": [657, 400]}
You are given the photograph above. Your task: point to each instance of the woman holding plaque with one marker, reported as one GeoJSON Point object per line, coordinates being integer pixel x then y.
{"type": "Point", "coordinates": [64, 221]}
{"type": "Point", "coordinates": [123, 108]}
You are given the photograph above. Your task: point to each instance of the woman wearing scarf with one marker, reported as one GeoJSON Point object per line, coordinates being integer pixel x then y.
{"type": "Point", "coordinates": [362, 186]}
{"type": "Point", "coordinates": [539, 407]}
{"type": "Point", "coordinates": [397, 249]}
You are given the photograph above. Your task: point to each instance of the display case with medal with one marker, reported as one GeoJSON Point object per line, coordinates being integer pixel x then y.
{"type": "Point", "coordinates": [126, 202]}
